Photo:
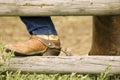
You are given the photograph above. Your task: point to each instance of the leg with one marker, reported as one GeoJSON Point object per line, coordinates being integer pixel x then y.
{"type": "Point", "coordinates": [44, 40]}
{"type": "Point", "coordinates": [106, 35]}
{"type": "Point", "coordinates": [39, 25]}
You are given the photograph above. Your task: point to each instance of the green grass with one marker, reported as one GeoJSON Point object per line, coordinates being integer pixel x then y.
{"type": "Point", "coordinates": [73, 76]}
{"type": "Point", "coordinates": [5, 75]}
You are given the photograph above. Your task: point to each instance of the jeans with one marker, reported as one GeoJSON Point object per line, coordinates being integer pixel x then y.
{"type": "Point", "coordinates": [39, 25]}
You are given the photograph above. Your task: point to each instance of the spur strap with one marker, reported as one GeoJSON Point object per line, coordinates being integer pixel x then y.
{"type": "Point", "coordinates": [49, 43]}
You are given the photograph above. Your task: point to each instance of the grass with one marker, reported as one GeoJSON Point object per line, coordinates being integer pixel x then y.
{"type": "Point", "coordinates": [73, 76]}
{"type": "Point", "coordinates": [5, 75]}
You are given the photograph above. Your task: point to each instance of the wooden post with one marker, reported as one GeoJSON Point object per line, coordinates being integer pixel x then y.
{"type": "Point", "coordinates": [64, 64]}
{"type": "Point", "coordinates": [106, 35]}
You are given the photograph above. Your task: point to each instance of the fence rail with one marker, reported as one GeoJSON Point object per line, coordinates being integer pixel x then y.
{"type": "Point", "coordinates": [64, 64]}
{"type": "Point", "coordinates": [59, 7]}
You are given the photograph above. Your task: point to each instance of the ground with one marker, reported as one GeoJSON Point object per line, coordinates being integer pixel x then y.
{"type": "Point", "coordinates": [75, 32]}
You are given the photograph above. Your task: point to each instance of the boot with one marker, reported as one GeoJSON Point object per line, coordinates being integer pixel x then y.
{"type": "Point", "coordinates": [42, 45]}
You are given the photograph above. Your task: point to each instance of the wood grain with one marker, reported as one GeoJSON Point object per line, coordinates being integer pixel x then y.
{"type": "Point", "coordinates": [59, 7]}
{"type": "Point", "coordinates": [65, 64]}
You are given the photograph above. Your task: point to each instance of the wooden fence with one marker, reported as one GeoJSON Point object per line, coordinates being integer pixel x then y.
{"type": "Point", "coordinates": [59, 7]}
{"type": "Point", "coordinates": [86, 64]}
{"type": "Point", "coordinates": [65, 64]}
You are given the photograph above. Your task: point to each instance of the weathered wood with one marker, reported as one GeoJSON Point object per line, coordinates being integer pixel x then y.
{"type": "Point", "coordinates": [84, 64]}
{"type": "Point", "coordinates": [106, 35]}
{"type": "Point", "coordinates": [59, 7]}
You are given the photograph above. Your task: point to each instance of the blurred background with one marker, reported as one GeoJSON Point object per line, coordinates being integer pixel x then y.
{"type": "Point", "coordinates": [75, 32]}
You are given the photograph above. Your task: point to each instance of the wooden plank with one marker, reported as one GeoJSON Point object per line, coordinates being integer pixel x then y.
{"type": "Point", "coordinates": [65, 64]}
{"type": "Point", "coordinates": [59, 7]}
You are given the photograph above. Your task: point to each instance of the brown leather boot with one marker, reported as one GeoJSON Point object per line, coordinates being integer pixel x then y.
{"type": "Point", "coordinates": [35, 46]}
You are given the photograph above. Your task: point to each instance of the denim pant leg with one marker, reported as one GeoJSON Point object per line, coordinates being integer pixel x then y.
{"type": "Point", "coordinates": [39, 25]}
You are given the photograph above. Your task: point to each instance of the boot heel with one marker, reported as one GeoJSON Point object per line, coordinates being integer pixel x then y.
{"type": "Point", "coordinates": [52, 52]}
